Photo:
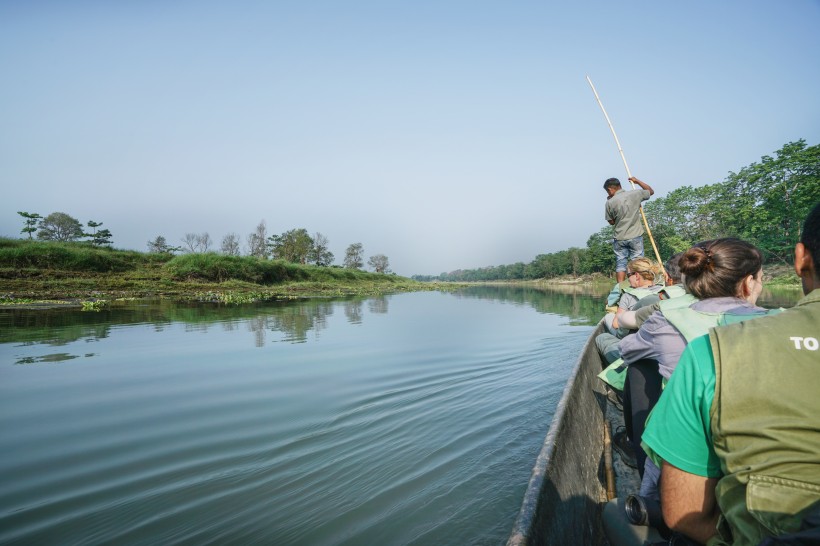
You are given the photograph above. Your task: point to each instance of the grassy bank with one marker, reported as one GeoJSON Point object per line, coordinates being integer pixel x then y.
{"type": "Point", "coordinates": [38, 271]}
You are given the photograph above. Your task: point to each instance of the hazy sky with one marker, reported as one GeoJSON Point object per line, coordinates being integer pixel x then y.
{"type": "Point", "coordinates": [443, 134]}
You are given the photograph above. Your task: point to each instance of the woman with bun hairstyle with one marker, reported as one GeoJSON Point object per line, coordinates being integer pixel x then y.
{"type": "Point", "coordinates": [726, 275]}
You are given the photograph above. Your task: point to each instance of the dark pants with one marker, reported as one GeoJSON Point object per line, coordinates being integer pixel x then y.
{"type": "Point", "coordinates": [642, 389]}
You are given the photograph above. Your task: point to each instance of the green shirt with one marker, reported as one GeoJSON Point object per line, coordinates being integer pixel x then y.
{"type": "Point", "coordinates": [679, 430]}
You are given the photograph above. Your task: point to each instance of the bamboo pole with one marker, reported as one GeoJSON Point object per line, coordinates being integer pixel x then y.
{"type": "Point", "coordinates": [608, 471]}
{"type": "Point", "coordinates": [628, 174]}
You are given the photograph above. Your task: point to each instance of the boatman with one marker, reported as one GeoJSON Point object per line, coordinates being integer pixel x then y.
{"type": "Point", "coordinates": [623, 211]}
{"type": "Point", "coordinates": [738, 426]}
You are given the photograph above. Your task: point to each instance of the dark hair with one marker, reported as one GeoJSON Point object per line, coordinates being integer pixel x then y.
{"type": "Point", "coordinates": [673, 267]}
{"type": "Point", "coordinates": [811, 236]}
{"type": "Point", "coordinates": [716, 268]}
{"type": "Point", "coordinates": [612, 182]}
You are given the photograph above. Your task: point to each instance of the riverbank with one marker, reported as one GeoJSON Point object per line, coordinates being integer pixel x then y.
{"type": "Point", "coordinates": [73, 274]}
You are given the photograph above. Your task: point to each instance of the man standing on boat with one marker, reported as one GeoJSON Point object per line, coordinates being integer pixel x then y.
{"type": "Point", "coordinates": [738, 425]}
{"type": "Point", "coordinates": [622, 210]}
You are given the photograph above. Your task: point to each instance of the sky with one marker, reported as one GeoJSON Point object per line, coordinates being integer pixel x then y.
{"type": "Point", "coordinates": [443, 134]}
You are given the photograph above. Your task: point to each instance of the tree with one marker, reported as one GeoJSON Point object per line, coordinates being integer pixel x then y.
{"type": "Point", "coordinates": [257, 241]}
{"type": "Point", "coordinates": [160, 246]}
{"type": "Point", "coordinates": [292, 246]}
{"type": "Point", "coordinates": [101, 237]}
{"type": "Point", "coordinates": [59, 226]}
{"type": "Point", "coordinates": [197, 242]}
{"type": "Point", "coordinates": [230, 244]}
{"type": "Point", "coordinates": [380, 263]}
{"type": "Point", "coordinates": [204, 241]}
{"type": "Point", "coordinates": [191, 242]}
{"type": "Point", "coordinates": [353, 256]}
{"type": "Point", "coordinates": [319, 254]}
{"type": "Point", "coordinates": [32, 219]}
{"type": "Point", "coordinates": [768, 201]}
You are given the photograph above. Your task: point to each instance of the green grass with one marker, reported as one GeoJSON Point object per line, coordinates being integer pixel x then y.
{"type": "Point", "coordinates": [37, 271]}
{"type": "Point", "coordinates": [24, 254]}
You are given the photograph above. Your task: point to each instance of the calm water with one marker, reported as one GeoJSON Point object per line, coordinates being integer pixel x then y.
{"type": "Point", "coordinates": [409, 419]}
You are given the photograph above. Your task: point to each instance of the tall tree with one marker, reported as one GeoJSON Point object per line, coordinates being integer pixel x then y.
{"type": "Point", "coordinates": [59, 226]}
{"type": "Point", "coordinates": [320, 254]}
{"type": "Point", "coordinates": [769, 200]}
{"type": "Point", "coordinates": [101, 237]}
{"type": "Point", "coordinates": [191, 242]}
{"type": "Point", "coordinates": [32, 219]}
{"type": "Point", "coordinates": [354, 256]}
{"type": "Point", "coordinates": [293, 246]}
{"type": "Point", "coordinates": [380, 263]}
{"type": "Point", "coordinates": [258, 241]}
{"type": "Point", "coordinates": [230, 244]}
{"type": "Point", "coordinates": [204, 241]}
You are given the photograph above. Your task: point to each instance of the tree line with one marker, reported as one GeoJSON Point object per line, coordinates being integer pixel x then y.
{"type": "Point", "coordinates": [61, 227]}
{"type": "Point", "coordinates": [764, 203]}
{"type": "Point", "coordinates": [295, 246]}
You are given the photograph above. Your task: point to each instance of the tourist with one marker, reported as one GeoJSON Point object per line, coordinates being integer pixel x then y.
{"type": "Point", "coordinates": [726, 275]}
{"type": "Point", "coordinates": [643, 277]}
{"type": "Point", "coordinates": [738, 426]}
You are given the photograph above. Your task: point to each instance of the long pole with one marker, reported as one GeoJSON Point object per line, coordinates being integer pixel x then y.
{"type": "Point", "coordinates": [628, 173]}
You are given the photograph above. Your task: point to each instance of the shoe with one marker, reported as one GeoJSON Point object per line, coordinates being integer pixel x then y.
{"type": "Point", "coordinates": [615, 397]}
{"type": "Point", "coordinates": [624, 447]}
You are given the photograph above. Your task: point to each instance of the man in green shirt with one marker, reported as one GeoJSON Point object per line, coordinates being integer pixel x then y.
{"type": "Point", "coordinates": [737, 428]}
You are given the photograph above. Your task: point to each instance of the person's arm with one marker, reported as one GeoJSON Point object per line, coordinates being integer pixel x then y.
{"type": "Point", "coordinates": [688, 503]}
{"type": "Point", "coordinates": [639, 316]}
{"type": "Point", "coordinates": [643, 185]}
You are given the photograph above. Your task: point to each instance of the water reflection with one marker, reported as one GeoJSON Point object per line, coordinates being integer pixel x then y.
{"type": "Point", "coordinates": [582, 304]}
{"type": "Point", "coordinates": [288, 322]}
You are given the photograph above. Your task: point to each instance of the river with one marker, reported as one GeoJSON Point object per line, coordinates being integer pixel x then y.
{"type": "Point", "coordinates": [406, 419]}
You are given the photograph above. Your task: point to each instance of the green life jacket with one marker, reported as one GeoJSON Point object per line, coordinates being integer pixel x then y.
{"type": "Point", "coordinates": [765, 422]}
{"type": "Point", "coordinates": [693, 324]}
{"type": "Point", "coordinates": [674, 291]}
{"type": "Point", "coordinates": [640, 293]}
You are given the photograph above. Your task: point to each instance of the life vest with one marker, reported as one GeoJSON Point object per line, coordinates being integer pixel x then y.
{"type": "Point", "coordinates": [672, 291]}
{"type": "Point", "coordinates": [765, 422]}
{"type": "Point", "coordinates": [615, 294]}
{"type": "Point", "coordinates": [693, 324]}
{"type": "Point", "coordinates": [642, 292]}
{"type": "Point", "coordinates": [615, 374]}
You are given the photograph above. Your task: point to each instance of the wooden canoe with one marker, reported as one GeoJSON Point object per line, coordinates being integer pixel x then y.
{"type": "Point", "coordinates": [567, 489]}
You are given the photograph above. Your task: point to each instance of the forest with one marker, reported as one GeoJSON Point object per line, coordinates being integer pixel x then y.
{"type": "Point", "coordinates": [764, 203]}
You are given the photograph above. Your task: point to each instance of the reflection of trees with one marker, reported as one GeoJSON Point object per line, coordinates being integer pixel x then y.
{"type": "Point", "coordinates": [582, 304]}
{"type": "Point", "coordinates": [296, 321]}
{"type": "Point", "coordinates": [353, 311]}
{"type": "Point", "coordinates": [377, 305]}
{"type": "Point", "coordinates": [52, 328]}
{"type": "Point", "coordinates": [61, 326]}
